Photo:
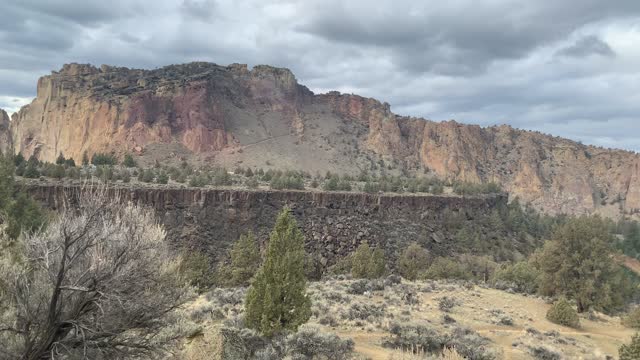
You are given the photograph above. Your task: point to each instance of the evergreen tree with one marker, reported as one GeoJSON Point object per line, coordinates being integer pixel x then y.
{"type": "Point", "coordinates": [17, 210]}
{"type": "Point", "coordinates": [578, 264]}
{"type": "Point", "coordinates": [85, 158]}
{"type": "Point", "coordinates": [128, 161]}
{"type": "Point", "coordinates": [162, 178]}
{"type": "Point", "coordinates": [562, 313]}
{"type": "Point", "coordinates": [19, 159]}
{"type": "Point", "coordinates": [58, 172]}
{"type": "Point", "coordinates": [631, 351]}
{"type": "Point", "coordinates": [245, 259]}
{"type": "Point", "coordinates": [367, 263]}
{"type": "Point", "coordinates": [276, 300]}
{"type": "Point", "coordinates": [60, 160]}
{"type": "Point", "coordinates": [6, 180]}
{"type": "Point", "coordinates": [413, 261]}
{"type": "Point", "coordinates": [331, 184]}
{"type": "Point", "coordinates": [32, 171]}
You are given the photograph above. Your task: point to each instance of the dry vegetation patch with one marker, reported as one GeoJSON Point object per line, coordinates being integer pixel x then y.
{"type": "Point", "coordinates": [384, 319]}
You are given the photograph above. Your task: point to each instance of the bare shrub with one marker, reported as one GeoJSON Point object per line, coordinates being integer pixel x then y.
{"type": "Point", "coordinates": [415, 338]}
{"type": "Point", "coordinates": [310, 343]}
{"type": "Point", "coordinates": [544, 353]}
{"type": "Point", "coordinates": [470, 344]}
{"type": "Point", "coordinates": [227, 296]}
{"type": "Point", "coordinates": [364, 312]}
{"type": "Point", "coordinates": [97, 283]}
{"type": "Point", "coordinates": [446, 303]}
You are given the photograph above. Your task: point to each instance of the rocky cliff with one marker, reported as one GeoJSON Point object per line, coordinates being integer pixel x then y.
{"type": "Point", "coordinates": [231, 115]}
{"type": "Point", "coordinates": [333, 223]}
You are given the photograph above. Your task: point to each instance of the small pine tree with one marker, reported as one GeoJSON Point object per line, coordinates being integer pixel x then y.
{"type": "Point", "coordinates": [163, 178]}
{"type": "Point", "coordinates": [631, 351]}
{"type": "Point", "coordinates": [58, 171]}
{"type": "Point", "coordinates": [445, 268]}
{"type": "Point", "coordinates": [32, 171]}
{"type": "Point", "coordinates": [252, 183]}
{"type": "Point", "coordinates": [195, 268]}
{"type": "Point", "coordinates": [331, 184]}
{"type": "Point", "coordinates": [562, 313]}
{"type": "Point", "coordinates": [85, 158]}
{"type": "Point", "coordinates": [147, 175]}
{"type": "Point", "coordinates": [413, 261]}
{"type": "Point", "coordinates": [60, 160]}
{"type": "Point", "coordinates": [367, 263]}
{"type": "Point", "coordinates": [277, 300]}
{"type": "Point", "coordinates": [19, 159]}
{"type": "Point", "coordinates": [128, 161]}
{"type": "Point", "coordinates": [245, 260]}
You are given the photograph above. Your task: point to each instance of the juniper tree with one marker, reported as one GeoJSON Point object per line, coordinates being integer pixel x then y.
{"type": "Point", "coordinates": [578, 264]}
{"type": "Point", "coordinates": [245, 259]}
{"type": "Point", "coordinates": [277, 299]}
{"type": "Point", "coordinates": [413, 261]}
{"type": "Point", "coordinates": [368, 263]}
{"type": "Point", "coordinates": [631, 351]}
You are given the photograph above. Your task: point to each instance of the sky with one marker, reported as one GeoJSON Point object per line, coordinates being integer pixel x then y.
{"type": "Point", "coordinates": [566, 67]}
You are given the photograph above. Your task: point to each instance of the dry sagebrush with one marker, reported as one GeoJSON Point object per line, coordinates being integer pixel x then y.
{"type": "Point", "coordinates": [98, 282]}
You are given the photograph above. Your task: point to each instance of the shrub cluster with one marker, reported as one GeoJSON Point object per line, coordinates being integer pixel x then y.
{"type": "Point", "coordinates": [632, 350]}
{"type": "Point", "coordinates": [367, 263]}
{"type": "Point", "coordinates": [562, 313]}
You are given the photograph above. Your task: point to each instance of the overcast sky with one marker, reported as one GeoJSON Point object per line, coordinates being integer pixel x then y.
{"type": "Point", "coordinates": [566, 67]}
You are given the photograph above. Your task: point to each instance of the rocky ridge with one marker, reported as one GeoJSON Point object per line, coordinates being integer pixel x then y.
{"type": "Point", "coordinates": [261, 117]}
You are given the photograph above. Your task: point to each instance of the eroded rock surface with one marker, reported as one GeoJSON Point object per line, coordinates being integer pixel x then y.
{"type": "Point", "coordinates": [262, 117]}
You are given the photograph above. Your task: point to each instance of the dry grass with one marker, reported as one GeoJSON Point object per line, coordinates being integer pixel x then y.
{"type": "Point", "coordinates": [367, 319]}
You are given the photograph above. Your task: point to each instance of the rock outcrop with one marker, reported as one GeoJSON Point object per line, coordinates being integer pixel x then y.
{"type": "Point", "coordinates": [334, 223]}
{"type": "Point", "coordinates": [231, 115]}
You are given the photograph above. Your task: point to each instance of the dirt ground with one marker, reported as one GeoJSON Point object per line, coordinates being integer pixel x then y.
{"type": "Point", "coordinates": [514, 324]}
{"type": "Point", "coordinates": [594, 340]}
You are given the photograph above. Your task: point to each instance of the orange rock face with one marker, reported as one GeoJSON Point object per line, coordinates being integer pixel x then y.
{"type": "Point", "coordinates": [208, 109]}
{"type": "Point", "coordinates": [85, 109]}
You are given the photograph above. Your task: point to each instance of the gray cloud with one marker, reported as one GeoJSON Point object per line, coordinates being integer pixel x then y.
{"type": "Point", "coordinates": [588, 45]}
{"type": "Point", "coordinates": [564, 67]}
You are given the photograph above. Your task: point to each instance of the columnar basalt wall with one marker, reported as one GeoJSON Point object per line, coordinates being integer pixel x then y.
{"type": "Point", "coordinates": [334, 223]}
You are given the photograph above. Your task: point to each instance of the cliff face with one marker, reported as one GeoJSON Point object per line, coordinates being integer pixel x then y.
{"type": "Point", "coordinates": [83, 108]}
{"type": "Point", "coordinates": [334, 224]}
{"type": "Point", "coordinates": [262, 117]}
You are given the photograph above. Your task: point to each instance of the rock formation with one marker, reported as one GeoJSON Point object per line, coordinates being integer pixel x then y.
{"type": "Point", "coordinates": [334, 223]}
{"type": "Point", "coordinates": [262, 117]}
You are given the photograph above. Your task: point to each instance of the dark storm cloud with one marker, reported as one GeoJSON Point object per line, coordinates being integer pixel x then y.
{"type": "Point", "coordinates": [458, 37]}
{"type": "Point", "coordinates": [566, 67]}
{"type": "Point", "coordinates": [588, 45]}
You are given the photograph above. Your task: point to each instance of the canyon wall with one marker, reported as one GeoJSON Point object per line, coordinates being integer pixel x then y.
{"type": "Point", "coordinates": [333, 223]}
{"type": "Point", "coordinates": [261, 117]}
